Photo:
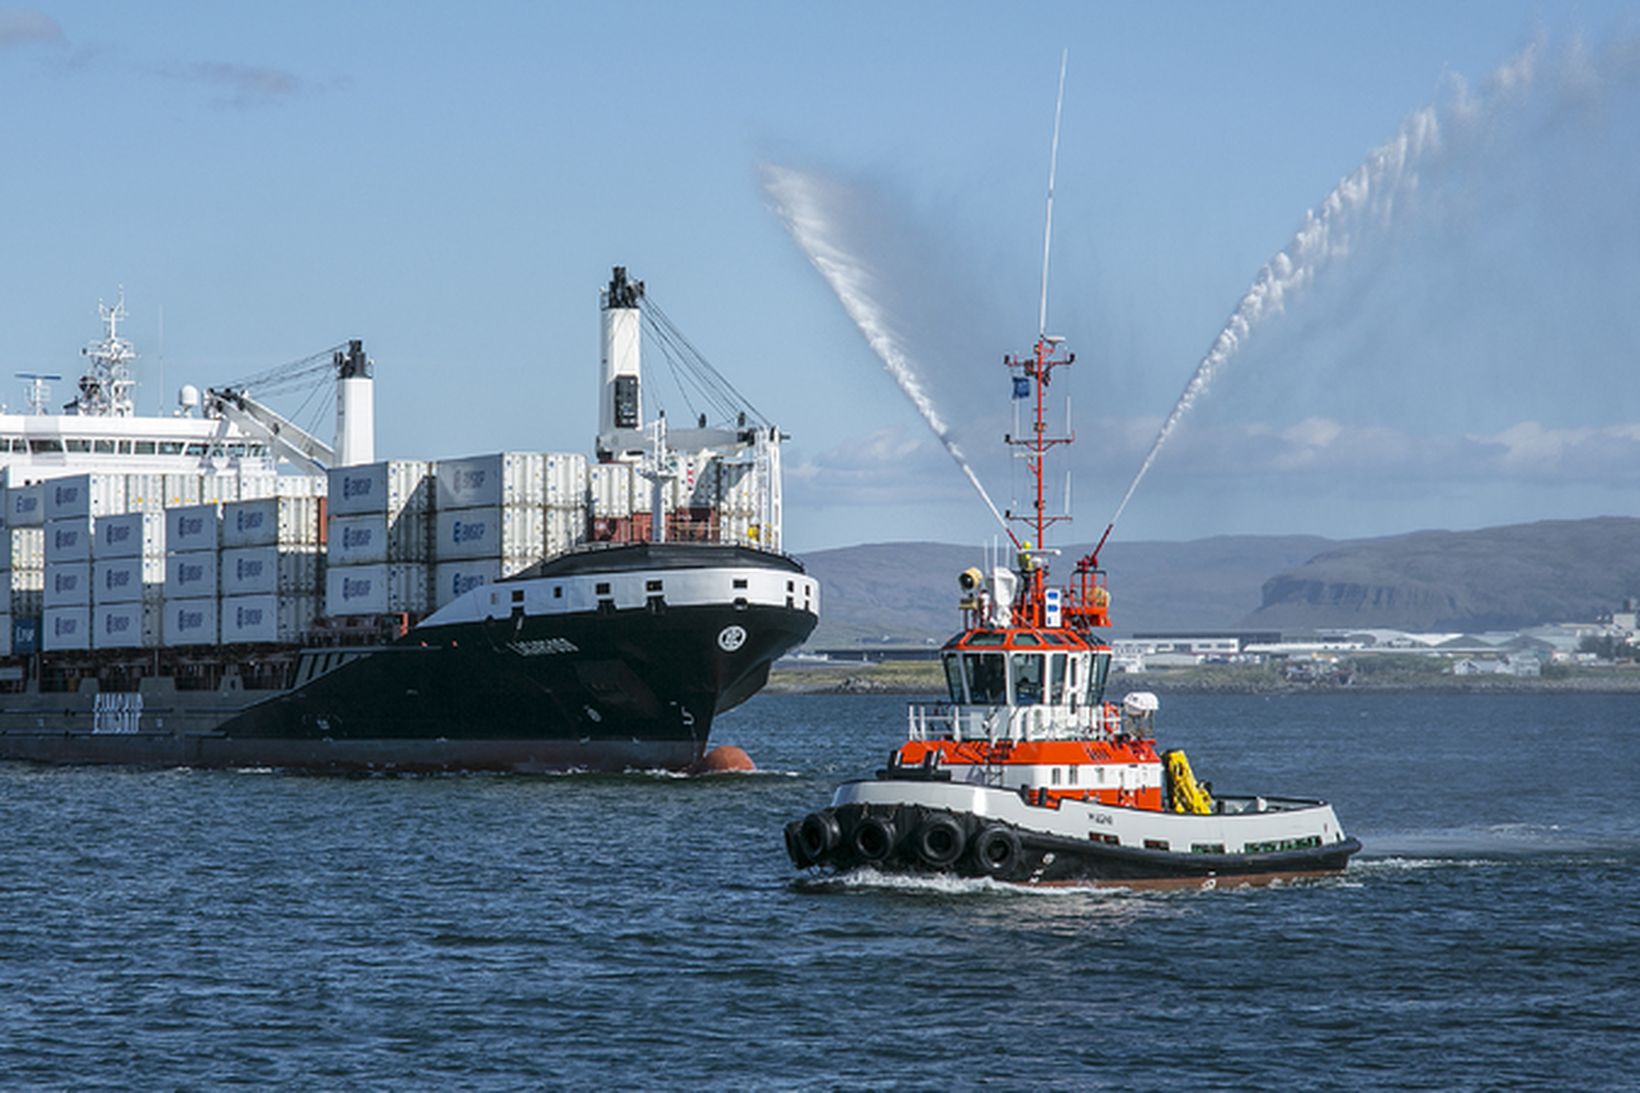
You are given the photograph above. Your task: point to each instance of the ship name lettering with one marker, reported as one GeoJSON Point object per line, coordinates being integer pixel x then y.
{"type": "Point", "coordinates": [542, 647]}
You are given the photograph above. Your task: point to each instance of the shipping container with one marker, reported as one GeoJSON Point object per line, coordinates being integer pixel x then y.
{"type": "Point", "coordinates": [68, 584]}
{"type": "Point", "coordinates": [28, 603]}
{"type": "Point", "coordinates": [68, 540]}
{"type": "Point", "coordinates": [22, 548]}
{"type": "Point", "coordinates": [248, 571]}
{"type": "Point", "coordinates": [390, 488]}
{"type": "Point", "coordinates": [452, 579]}
{"type": "Point", "coordinates": [195, 527]}
{"type": "Point", "coordinates": [299, 485]}
{"type": "Point", "coordinates": [190, 622]}
{"type": "Point", "coordinates": [513, 533]}
{"type": "Point", "coordinates": [182, 489]}
{"type": "Point", "coordinates": [609, 489]}
{"type": "Point", "coordinates": [26, 505]}
{"type": "Point", "coordinates": [505, 478]}
{"type": "Point", "coordinates": [145, 491]}
{"type": "Point", "coordinates": [566, 529]}
{"type": "Point", "coordinates": [83, 495]}
{"type": "Point", "coordinates": [256, 486]}
{"type": "Point", "coordinates": [127, 580]}
{"type": "Point", "coordinates": [271, 521]}
{"type": "Point", "coordinates": [125, 625]}
{"type": "Point", "coordinates": [643, 494]}
{"type": "Point", "coordinates": [66, 628]}
{"type": "Point", "coordinates": [371, 540]}
{"type": "Point", "coordinates": [564, 480]}
{"type": "Point", "coordinates": [218, 488]}
{"type": "Point", "coordinates": [25, 634]}
{"type": "Point", "coordinates": [191, 574]}
{"type": "Point", "coordinates": [267, 618]}
{"type": "Point", "coordinates": [23, 578]}
{"type": "Point", "coordinates": [132, 535]}
{"type": "Point", "coordinates": [375, 589]}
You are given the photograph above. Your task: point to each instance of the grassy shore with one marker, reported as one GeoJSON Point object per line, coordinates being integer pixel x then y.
{"type": "Point", "coordinates": [1389, 674]}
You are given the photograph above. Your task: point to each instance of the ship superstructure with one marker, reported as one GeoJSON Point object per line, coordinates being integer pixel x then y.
{"type": "Point", "coordinates": [222, 586]}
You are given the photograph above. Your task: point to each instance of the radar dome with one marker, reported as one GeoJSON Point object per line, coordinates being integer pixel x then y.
{"type": "Point", "coordinates": [188, 397]}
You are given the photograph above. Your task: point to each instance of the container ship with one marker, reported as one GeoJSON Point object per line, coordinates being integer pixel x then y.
{"type": "Point", "coordinates": [222, 588]}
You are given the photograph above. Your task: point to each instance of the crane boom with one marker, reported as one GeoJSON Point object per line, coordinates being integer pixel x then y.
{"type": "Point", "coordinates": [287, 439]}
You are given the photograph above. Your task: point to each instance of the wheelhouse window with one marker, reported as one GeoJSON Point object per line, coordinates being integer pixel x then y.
{"type": "Point", "coordinates": [1027, 678]}
{"type": "Point", "coordinates": [45, 445]}
{"type": "Point", "coordinates": [79, 445]}
{"type": "Point", "coordinates": [170, 447]}
{"type": "Point", "coordinates": [953, 678]}
{"type": "Point", "coordinates": [145, 447]}
{"type": "Point", "coordinates": [1096, 678]}
{"type": "Point", "coordinates": [103, 447]}
{"type": "Point", "coordinates": [1056, 679]}
{"type": "Point", "coordinates": [987, 676]}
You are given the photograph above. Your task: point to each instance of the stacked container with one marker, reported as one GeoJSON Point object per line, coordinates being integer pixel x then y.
{"type": "Point", "coordinates": [127, 580]}
{"type": "Point", "coordinates": [500, 514]}
{"type": "Point", "coordinates": [192, 538]}
{"type": "Point", "coordinates": [380, 522]}
{"type": "Point", "coordinates": [22, 571]}
{"type": "Point", "coordinates": [70, 505]}
{"type": "Point", "coordinates": [268, 568]}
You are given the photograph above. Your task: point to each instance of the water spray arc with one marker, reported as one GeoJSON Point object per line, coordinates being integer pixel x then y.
{"type": "Point", "coordinates": [1366, 197]}
{"type": "Point", "coordinates": [798, 202]}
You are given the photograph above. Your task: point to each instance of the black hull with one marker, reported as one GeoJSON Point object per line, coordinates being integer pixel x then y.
{"type": "Point", "coordinates": [913, 839]}
{"type": "Point", "coordinates": [595, 690]}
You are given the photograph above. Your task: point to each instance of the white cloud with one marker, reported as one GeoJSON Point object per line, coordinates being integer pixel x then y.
{"type": "Point", "coordinates": [240, 85]}
{"type": "Point", "coordinates": [26, 26]}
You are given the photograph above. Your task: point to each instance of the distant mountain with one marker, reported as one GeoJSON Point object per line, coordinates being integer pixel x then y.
{"type": "Point", "coordinates": [906, 593]}
{"type": "Point", "coordinates": [1491, 579]}
{"type": "Point", "coordinates": [1501, 578]}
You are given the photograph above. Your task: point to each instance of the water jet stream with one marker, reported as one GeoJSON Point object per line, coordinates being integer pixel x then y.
{"type": "Point", "coordinates": [799, 204]}
{"type": "Point", "coordinates": [1364, 198]}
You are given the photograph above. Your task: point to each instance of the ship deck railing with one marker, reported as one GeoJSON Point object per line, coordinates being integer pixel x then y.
{"type": "Point", "coordinates": [948, 721]}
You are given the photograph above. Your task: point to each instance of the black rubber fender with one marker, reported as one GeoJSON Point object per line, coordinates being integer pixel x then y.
{"type": "Point", "coordinates": [818, 835]}
{"type": "Point", "coordinates": [873, 839]}
{"type": "Point", "coordinates": [996, 851]}
{"type": "Point", "coordinates": [794, 846]}
{"type": "Point", "coordinates": [940, 841]}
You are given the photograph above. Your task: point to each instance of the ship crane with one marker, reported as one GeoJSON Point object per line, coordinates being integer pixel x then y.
{"type": "Point", "coordinates": [355, 418]}
{"type": "Point", "coordinates": [284, 437]}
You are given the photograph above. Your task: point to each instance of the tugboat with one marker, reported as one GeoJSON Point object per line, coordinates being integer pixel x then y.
{"type": "Point", "coordinates": [1028, 774]}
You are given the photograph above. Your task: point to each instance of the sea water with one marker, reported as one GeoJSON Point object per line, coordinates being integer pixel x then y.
{"type": "Point", "coordinates": [192, 929]}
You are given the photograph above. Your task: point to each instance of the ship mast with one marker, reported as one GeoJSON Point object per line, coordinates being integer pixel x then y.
{"type": "Point", "coordinates": [1031, 377]}
{"type": "Point", "coordinates": [105, 388]}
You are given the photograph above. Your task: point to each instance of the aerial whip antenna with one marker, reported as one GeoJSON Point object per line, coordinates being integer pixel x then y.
{"type": "Point", "coordinates": [1053, 169]}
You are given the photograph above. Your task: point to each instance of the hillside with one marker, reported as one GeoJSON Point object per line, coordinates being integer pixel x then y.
{"type": "Point", "coordinates": [1499, 578]}
{"type": "Point", "coordinates": [1490, 579]}
{"type": "Point", "coordinates": [906, 593]}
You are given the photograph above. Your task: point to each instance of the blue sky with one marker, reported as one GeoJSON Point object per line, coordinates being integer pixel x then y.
{"type": "Point", "coordinates": [452, 183]}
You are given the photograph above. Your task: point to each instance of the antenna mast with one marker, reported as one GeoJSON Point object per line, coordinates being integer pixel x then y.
{"type": "Point", "coordinates": [1053, 169]}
